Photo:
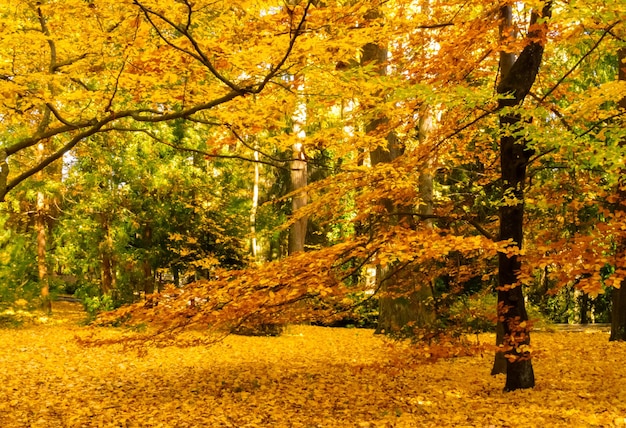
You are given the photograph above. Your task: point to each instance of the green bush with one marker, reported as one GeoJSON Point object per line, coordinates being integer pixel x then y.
{"type": "Point", "coordinates": [477, 313]}
{"type": "Point", "coordinates": [94, 305]}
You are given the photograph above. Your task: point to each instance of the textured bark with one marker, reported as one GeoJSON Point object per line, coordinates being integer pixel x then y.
{"type": "Point", "coordinates": [507, 32]}
{"type": "Point", "coordinates": [618, 314]}
{"type": "Point", "coordinates": [514, 157]}
{"type": "Point", "coordinates": [299, 179]}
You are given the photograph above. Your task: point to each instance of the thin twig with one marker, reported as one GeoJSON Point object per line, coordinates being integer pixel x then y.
{"type": "Point", "coordinates": [189, 149]}
{"type": "Point", "coordinates": [593, 48]}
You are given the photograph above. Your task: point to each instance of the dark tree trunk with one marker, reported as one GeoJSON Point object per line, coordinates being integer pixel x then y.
{"type": "Point", "coordinates": [514, 157]}
{"type": "Point", "coordinates": [146, 265]}
{"type": "Point", "coordinates": [507, 59]}
{"type": "Point", "coordinates": [499, 362]}
{"type": "Point", "coordinates": [584, 303]}
{"type": "Point", "coordinates": [618, 314]}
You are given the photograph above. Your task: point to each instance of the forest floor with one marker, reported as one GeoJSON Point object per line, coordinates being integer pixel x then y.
{"type": "Point", "coordinates": [309, 377]}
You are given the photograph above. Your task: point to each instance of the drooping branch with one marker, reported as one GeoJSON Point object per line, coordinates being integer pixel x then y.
{"type": "Point", "coordinates": [159, 140]}
{"type": "Point", "coordinates": [61, 119]}
{"type": "Point", "coordinates": [109, 106]}
{"type": "Point", "coordinates": [92, 127]}
{"type": "Point", "coordinates": [202, 57]}
{"type": "Point", "coordinates": [11, 184]}
{"type": "Point", "coordinates": [601, 122]}
{"type": "Point", "coordinates": [473, 222]}
{"type": "Point", "coordinates": [243, 141]}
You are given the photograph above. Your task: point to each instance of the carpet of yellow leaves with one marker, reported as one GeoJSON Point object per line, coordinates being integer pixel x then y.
{"type": "Point", "coordinates": [309, 377]}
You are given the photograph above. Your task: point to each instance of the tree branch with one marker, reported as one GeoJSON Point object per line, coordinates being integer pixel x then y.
{"type": "Point", "coordinates": [593, 48]}
{"type": "Point", "coordinates": [199, 55]}
{"type": "Point", "coordinates": [90, 127]}
{"type": "Point", "coordinates": [189, 149]}
{"type": "Point", "coordinates": [48, 160]}
{"type": "Point", "coordinates": [292, 42]}
{"type": "Point", "coordinates": [238, 137]}
{"type": "Point", "coordinates": [468, 220]}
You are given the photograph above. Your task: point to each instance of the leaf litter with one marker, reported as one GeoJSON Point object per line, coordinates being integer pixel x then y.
{"type": "Point", "coordinates": [309, 377]}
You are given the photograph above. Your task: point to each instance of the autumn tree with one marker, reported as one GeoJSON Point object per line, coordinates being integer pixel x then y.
{"type": "Point", "coordinates": [149, 53]}
{"type": "Point", "coordinates": [618, 320]}
{"type": "Point", "coordinates": [368, 84]}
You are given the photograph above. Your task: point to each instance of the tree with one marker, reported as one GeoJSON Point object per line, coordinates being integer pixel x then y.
{"type": "Point", "coordinates": [298, 180]}
{"type": "Point", "coordinates": [516, 154]}
{"type": "Point", "coordinates": [618, 316]}
{"type": "Point", "coordinates": [108, 54]}
{"type": "Point", "coordinates": [137, 215]}
{"type": "Point", "coordinates": [514, 157]}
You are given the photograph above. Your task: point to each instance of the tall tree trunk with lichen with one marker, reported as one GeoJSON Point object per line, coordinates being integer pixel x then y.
{"type": "Point", "coordinates": [514, 157]}
{"type": "Point", "coordinates": [298, 180]}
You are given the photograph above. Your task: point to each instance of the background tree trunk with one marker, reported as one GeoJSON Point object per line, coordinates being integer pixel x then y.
{"type": "Point", "coordinates": [254, 208]}
{"type": "Point", "coordinates": [107, 264]}
{"type": "Point", "coordinates": [42, 264]}
{"type": "Point", "coordinates": [299, 177]}
{"type": "Point", "coordinates": [402, 301]}
{"type": "Point", "coordinates": [299, 180]}
{"type": "Point", "coordinates": [618, 315]}
{"type": "Point", "coordinates": [146, 265]}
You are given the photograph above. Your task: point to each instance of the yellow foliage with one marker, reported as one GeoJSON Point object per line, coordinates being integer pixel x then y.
{"type": "Point", "coordinates": [309, 377]}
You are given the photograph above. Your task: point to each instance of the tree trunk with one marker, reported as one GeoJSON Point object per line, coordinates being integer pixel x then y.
{"type": "Point", "coordinates": [107, 264]}
{"type": "Point", "coordinates": [583, 304]}
{"type": "Point", "coordinates": [4, 174]}
{"type": "Point", "coordinates": [299, 179]}
{"type": "Point", "coordinates": [402, 302]}
{"type": "Point", "coordinates": [618, 313]}
{"type": "Point", "coordinates": [297, 232]}
{"type": "Point", "coordinates": [507, 32]}
{"type": "Point", "coordinates": [146, 265]}
{"type": "Point", "coordinates": [254, 208]}
{"type": "Point", "coordinates": [514, 157]}
{"type": "Point", "coordinates": [42, 264]}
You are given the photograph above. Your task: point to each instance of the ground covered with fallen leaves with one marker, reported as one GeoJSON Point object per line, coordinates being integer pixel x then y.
{"type": "Point", "coordinates": [309, 377]}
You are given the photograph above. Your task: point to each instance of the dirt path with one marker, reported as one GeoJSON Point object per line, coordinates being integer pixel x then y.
{"type": "Point", "coordinates": [65, 311]}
